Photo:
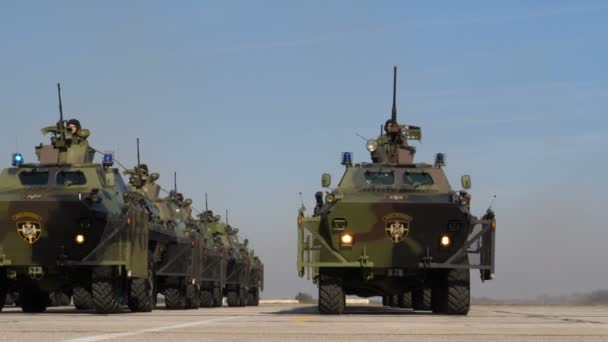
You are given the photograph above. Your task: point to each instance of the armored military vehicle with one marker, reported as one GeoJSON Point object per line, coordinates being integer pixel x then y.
{"type": "Point", "coordinates": [175, 265]}
{"type": "Point", "coordinates": [214, 264]}
{"type": "Point", "coordinates": [395, 228]}
{"type": "Point", "coordinates": [256, 277]}
{"type": "Point", "coordinates": [237, 262]}
{"type": "Point", "coordinates": [211, 263]}
{"type": "Point", "coordinates": [72, 226]}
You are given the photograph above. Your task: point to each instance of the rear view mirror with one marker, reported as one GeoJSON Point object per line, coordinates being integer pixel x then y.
{"type": "Point", "coordinates": [153, 176]}
{"type": "Point", "coordinates": [110, 181]}
{"type": "Point", "coordinates": [466, 182]}
{"type": "Point", "coordinates": [83, 133]}
{"type": "Point", "coordinates": [325, 180]}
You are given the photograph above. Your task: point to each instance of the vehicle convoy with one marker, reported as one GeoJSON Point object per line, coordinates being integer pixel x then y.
{"type": "Point", "coordinates": [174, 248]}
{"type": "Point", "coordinates": [211, 272]}
{"type": "Point", "coordinates": [239, 264]}
{"type": "Point", "coordinates": [70, 227]}
{"type": "Point", "coordinates": [256, 277]}
{"type": "Point", "coordinates": [395, 228]}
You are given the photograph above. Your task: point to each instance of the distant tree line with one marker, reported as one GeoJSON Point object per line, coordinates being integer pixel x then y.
{"type": "Point", "coordinates": [598, 297]}
{"type": "Point", "coordinates": [305, 298]}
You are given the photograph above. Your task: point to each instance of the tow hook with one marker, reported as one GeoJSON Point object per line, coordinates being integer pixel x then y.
{"type": "Point", "coordinates": [35, 272]}
{"type": "Point", "coordinates": [427, 259]}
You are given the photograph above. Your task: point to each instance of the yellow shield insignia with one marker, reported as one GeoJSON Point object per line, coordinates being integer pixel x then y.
{"type": "Point", "coordinates": [397, 226]}
{"type": "Point", "coordinates": [29, 226]}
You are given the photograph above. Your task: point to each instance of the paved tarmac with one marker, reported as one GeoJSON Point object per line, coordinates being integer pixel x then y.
{"type": "Point", "coordinates": [303, 323]}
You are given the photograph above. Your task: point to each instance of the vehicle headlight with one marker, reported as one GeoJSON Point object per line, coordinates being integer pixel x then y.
{"type": "Point", "coordinates": [346, 240]}
{"type": "Point", "coordinates": [80, 239]}
{"type": "Point", "coordinates": [445, 241]}
{"type": "Point", "coordinates": [329, 198]}
{"type": "Point", "coordinates": [372, 145]}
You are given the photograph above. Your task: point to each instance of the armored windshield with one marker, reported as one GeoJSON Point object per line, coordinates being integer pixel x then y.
{"type": "Point", "coordinates": [417, 178]}
{"type": "Point", "coordinates": [35, 177]}
{"type": "Point", "coordinates": [379, 178]}
{"type": "Point", "coordinates": [71, 178]}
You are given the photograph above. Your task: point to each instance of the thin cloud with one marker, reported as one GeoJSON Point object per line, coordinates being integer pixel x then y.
{"type": "Point", "coordinates": [531, 14]}
{"type": "Point", "coordinates": [323, 38]}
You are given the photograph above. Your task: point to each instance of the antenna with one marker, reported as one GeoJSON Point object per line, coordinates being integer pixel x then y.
{"type": "Point", "coordinates": [394, 112]}
{"type": "Point", "coordinates": [175, 181]}
{"type": "Point", "coordinates": [138, 163]}
{"type": "Point", "coordinates": [301, 200]}
{"type": "Point", "coordinates": [227, 218]}
{"type": "Point", "coordinates": [206, 203]}
{"type": "Point", "coordinates": [492, 203]}
{"type": "Point", "coordinates": [360, 136]}
{"type": "Point", "coordinates": [60, 112]}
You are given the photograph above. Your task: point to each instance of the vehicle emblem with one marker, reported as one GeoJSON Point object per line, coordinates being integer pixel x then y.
{"type": "Point", "coordinates": [396, 197]}
{"type": "Point", "coordinates": [33, 196]}
{"type": "Point", "coordinates": [29, 226]}
{"type": "Point", "coordinates": [397, 226]}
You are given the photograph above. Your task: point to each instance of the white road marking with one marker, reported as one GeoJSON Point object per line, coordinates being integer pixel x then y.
{"type": "Point", "coordinates": [150, 330]}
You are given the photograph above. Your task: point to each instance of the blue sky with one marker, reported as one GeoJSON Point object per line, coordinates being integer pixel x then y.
{"type": "Point", "coordinates": [252, 101]}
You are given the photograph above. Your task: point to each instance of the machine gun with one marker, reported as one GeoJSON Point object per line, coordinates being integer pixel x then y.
{"type": "Point", "coordinates": [391, 146]}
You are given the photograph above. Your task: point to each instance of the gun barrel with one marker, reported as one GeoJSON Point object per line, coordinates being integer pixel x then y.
{"type": "Point", "coordinates": [60, 125]}
{"type": "Point", "coordinates": [138, 160]}
{"type": "Point", "coordinates": [394, 111]}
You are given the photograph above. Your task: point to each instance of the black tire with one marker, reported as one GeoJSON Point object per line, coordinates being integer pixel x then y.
{"type": "Point", "coordinates": [421, 299]}
{"type": "Point", "coordinates": [232, 297]}
{"type": "Point", "coordinates": [34, 300]}
{"type": "Point", "coordinates": [385, 300]}
{"type": "Point", "coordinates": [255, 297]}
{"type": "Point", "coordinates": [394, 301]}
{"type": "Point", "coordinates": [67, 300]}
{"type": "Point", "coordinates": [16, 298]}
{"type": "Point", "coordinates": [83, 299]}
{"type": "Point", "coordinates": [142, 291]}
{"type": "Point", "coordinates": [105, 297]}
{"type": "Point", "coordinates": [175, 299]}
{"type": "Point", "coordinates": [242, 296]}
{"type": "Point", "coordinates": [193, 297]}
{"type": "Point", "coordinates": [453, 293]}
{"type": "Point", "coordinates": [59, 298]}
{"type": "Point", "coordinates": [331, 296]}
{"type": "Point", "coordinates": [405, 300]}
{"type": "Point", "coordinates": [207, 300]}
{"type": "Point", "coordinates": [141, 295]}
{"type": "Point", "coordinates": [105, 291]}
{"type": "Point", "coordinates": [217, 296]}
{"type": "Point", "coordinates": [3, 298]}
{"type": "Point", "coordinates": [8, 299]}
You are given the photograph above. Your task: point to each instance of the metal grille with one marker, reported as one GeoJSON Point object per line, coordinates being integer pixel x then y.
{"type": "Point", "coordinates": [477, 248]}
{"type": "Point", "coordinates": [113, 248]}
{"type": "Point", "coordinates": [177, 261]}
{"type": "Point", "coordinates": [213, 268]}
{"type": "Point", "coordinates": [237, 272]}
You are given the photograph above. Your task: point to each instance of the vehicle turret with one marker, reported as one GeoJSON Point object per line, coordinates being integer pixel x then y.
{"type": "Point", "coordinates": [69, 143]}
{"type": "Point", "coordinates": [392, 147]}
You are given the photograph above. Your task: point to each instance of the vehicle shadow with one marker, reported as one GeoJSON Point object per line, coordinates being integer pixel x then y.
{"type": "Point", "coordinates": [56, 310]}
{"type": "Point", "coordinates": [352, 310]}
